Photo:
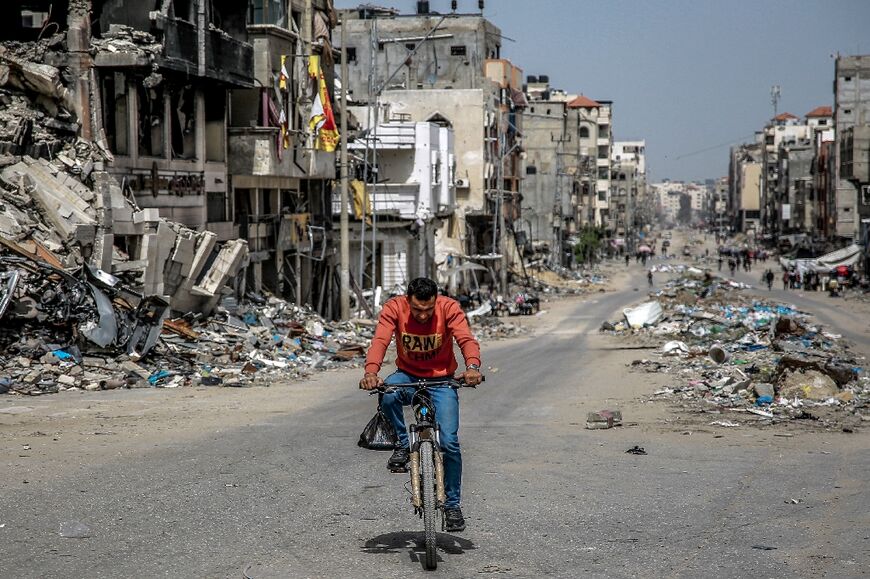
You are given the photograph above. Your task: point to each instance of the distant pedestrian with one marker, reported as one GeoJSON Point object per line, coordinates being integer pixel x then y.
{"type": "Point", "coordinates": [649, 278]}
{"type": "Point", "coordinates": [785, 280]}
{"type": "Point", "coordinates": [720, 263]}
{"type": "Point", "coordinates": [627, 259]}
{"type": "Point", "coordinates": [768, 277]}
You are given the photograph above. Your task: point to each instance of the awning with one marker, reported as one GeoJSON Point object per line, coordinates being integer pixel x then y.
{"type": "Point", "coordinates": [847, 256]}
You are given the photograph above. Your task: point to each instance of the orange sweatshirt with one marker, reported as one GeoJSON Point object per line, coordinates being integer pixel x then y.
{"type": "Point", "coordinates": [425, 350]}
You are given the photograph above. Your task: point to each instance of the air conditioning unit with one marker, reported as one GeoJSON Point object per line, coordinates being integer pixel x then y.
{"type": "Point", "coordinates": [462, 184]}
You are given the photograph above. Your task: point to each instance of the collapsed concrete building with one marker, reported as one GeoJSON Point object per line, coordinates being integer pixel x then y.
{"type": "Point", "coordinates": [108, 159]}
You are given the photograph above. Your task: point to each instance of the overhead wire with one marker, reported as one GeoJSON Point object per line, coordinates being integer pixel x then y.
{"type": "Point", "coordinates": [711, 148]}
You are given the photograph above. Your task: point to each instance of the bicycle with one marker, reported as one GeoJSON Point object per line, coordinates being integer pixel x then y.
{"type": "Point", "coordinates": [426, 465]}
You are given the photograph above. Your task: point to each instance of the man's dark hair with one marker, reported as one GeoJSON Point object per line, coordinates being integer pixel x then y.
{"type": "Point", "coordinates": [422, 288]}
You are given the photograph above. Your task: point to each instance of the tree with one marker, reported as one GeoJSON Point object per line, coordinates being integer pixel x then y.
{"type": "Point", "coordinates": [588, 244]}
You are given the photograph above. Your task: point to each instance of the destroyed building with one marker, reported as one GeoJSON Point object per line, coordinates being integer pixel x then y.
{"type": "Point", "coordinates": [282, 168]}
{"type": "Point", "coordinates": [100, 221]}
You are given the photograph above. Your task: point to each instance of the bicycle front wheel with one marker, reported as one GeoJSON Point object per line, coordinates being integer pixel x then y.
{"type": "Point", "coordinates": [427, 483]}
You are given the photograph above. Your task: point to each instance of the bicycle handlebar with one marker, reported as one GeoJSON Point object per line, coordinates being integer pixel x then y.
{"type": "Point", "coordinates": [432, 383]}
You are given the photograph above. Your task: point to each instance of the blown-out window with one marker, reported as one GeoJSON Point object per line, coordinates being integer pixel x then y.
{"type": "Point", "coordinates": [151, 120]}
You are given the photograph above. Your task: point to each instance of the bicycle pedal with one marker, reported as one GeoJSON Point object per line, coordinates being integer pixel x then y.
{"type": "Point", "coordinates": [401, 470]}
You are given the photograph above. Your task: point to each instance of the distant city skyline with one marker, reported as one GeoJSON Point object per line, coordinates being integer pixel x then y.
{"type": "Point", "coordinates": [689, 77]}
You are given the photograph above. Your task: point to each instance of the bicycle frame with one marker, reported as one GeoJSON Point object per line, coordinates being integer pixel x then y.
{"type": "Point", "coordinates": [425, 429]}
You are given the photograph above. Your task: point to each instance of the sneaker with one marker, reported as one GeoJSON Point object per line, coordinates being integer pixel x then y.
{"type": "Point", "coordinates": [455, 522]}
{"type": "Point", "coordinates": [399, 460]}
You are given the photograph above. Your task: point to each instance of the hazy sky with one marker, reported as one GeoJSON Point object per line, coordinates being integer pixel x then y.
{"type": "Point", "coordinates": [690, 76]}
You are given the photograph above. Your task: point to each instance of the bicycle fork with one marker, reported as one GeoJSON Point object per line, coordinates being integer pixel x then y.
{"type": "Point", "coordinates": [416, 482]}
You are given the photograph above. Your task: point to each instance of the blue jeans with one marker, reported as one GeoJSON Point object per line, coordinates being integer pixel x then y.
{"type": "Point", "coordinates": [446, 402]}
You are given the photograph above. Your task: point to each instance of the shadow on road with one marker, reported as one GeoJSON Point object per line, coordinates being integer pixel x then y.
{"type": "Point", "coordinates": [412, 542]}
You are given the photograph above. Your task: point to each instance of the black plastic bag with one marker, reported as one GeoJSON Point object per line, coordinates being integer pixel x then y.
{"type": "Point", "coordinates": [378, 434]}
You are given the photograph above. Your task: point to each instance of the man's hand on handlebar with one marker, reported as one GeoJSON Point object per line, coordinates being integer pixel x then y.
{"type": "Point", "coordinates": [471, 377]}
{"type": "Point", "coordinates": [370, 381]}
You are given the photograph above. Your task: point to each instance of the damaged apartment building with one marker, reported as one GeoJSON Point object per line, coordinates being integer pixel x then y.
{"type": "Point", "coordinates": [202, 109]}
{"type": "Point", "coordinates": [282, 166]}
{"type": "Point", "coordinates": [446, 70]}
{"type": "Point", "coordinates": [403, 206]}
{"type": "Point", "coordinates": [113, 159]}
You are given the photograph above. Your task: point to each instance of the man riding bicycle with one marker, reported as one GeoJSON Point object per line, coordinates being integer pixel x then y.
{"type": "Point", "coordinates": [425, 325]}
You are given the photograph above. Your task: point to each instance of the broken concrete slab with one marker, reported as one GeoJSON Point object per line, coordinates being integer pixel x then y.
{"type": "Point", "coordinates": [59, 204]}
{"type": "Point", "coordinates": [225, 266]}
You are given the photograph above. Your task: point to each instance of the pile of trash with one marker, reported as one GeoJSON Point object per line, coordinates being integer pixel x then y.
{"type": "Point", "coordinates": [488, 327]}
{"type": "Point", "coordinates": [731, 352]}
{"type": "Point", "coordinates": [557, 280]}
{"type": "Point", "coordinates": [255, 343]}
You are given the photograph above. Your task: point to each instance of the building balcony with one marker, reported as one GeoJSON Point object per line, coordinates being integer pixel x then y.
{"type": "Point", "coordinates": [392, 135]}
{"type": "Point", "coordinates": [399, 199]}
{"type": "Point", "coordinates": [226, 59]}
{"type": "Point", "coordinates": [269, 43]}
{"type": "Point", "coordinates": [254, 151]}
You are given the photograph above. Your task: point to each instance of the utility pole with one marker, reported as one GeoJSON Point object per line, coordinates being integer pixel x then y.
{"type": "Point", "coordinates": [344, 270]}
{"type": "Point", "coordinates": [557, 194]}
{"type": "Point", "coordinates": [498, 235]}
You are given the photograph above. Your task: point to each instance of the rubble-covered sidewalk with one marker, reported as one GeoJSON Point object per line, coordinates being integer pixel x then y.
{"type": "Point", "coordinates": [743, 360]}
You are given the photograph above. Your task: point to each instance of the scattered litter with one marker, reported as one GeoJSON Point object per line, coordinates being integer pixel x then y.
{"type": "Point", "coordinates": [718, 354]}
{"type": "Point", "coordinates": [635, 450]}
{"type": "Point", "coordinates": [603, 419]}
{"type": "Point", "coordinates": [725, 423]}
{"type": "Point", "coordinates": [645, 314]}
{"type": "Point", "coordinates": [760, 412]}
{"type": "Point", "coordinates": [674, 348]}
{"type": "Point", "coordinates": [74, 530]}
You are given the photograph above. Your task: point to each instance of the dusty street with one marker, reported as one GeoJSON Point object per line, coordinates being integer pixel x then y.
{"type": "Point", "coordinates": [268, 482]}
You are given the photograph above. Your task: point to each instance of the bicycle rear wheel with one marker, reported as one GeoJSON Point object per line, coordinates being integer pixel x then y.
{"type": "Point", "coordinates": [427, 482]}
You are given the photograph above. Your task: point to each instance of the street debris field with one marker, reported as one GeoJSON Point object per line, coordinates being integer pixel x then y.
{"type": "Point", "coordinates": [737, 361]}
{"type": "Point", "coordinates": [98, 293]}
{"type": "Point", "coordinates": [69, 331]}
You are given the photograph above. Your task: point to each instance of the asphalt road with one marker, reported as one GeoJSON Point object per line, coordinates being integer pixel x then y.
{"type": "Point", "coordinates": [292, 496]}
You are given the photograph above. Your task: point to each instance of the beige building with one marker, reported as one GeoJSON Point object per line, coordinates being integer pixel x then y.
{"type": "Point", "coordinates": [448, 71]}
{"type": "Point", "coordinates": [595, 140]}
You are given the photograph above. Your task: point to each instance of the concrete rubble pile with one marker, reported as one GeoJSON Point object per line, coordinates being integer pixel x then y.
{"type": "Point", "coordinates": [87, 278]}
{"type": "Point", "coordinates": [36, 115]}
{"type": "Point", "coordinates": [557, 280]}
{"type": "Point", "coordinates": [488, 327]}
{"type": "Point", "coordinates": [255, 343]}
{"type": "Point", "coordinates": [732, 353]}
